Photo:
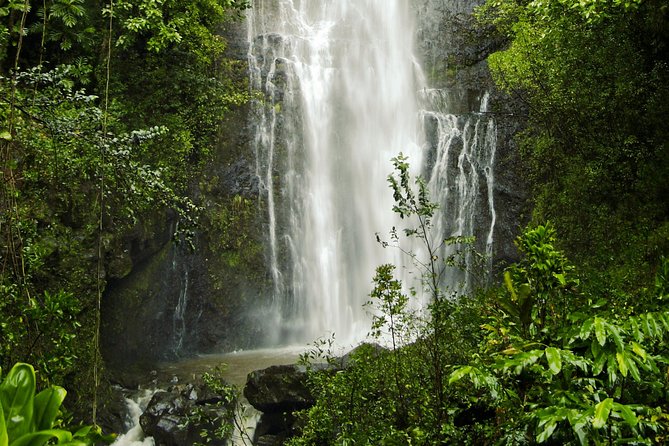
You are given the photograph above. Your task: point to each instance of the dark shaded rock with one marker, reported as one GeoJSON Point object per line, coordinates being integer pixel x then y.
{"type": "Point", "coordinates": [274, 428]}
{"type": "Point", "coordinates": [473, 415]}
{"type": "Point", "coordinates": [139, 311]}
{"type": "Point", "coordinates": [269, 440]}
{"type": "Point", "coordinates": [176, 417]}
{"type": "Point", "coordinates": [280, 388]}
{"type": "Point", "coordinates": [164, 418]}
{"type": "Point", "coordinates": [144, 240]}
{"type": "Point", "coordinates": [165, 301]}
{"type": "Point", "coordinates": [239, 179]}
{"type": "Point", "coordinates": [111, 413]}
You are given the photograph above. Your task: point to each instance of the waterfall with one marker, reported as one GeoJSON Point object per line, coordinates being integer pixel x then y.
{"type": "Point", "coordinates": [341, 94]}
{"type": "Point", "coordinates": [179, 269]}
{"type": "Point", "coordinates": [461, 155]}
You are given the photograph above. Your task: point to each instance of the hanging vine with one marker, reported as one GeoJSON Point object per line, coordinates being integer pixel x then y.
{"type": "Point", "coordinates": [13, 237]}
{"type": "Point", "coordinates": [101, 201]}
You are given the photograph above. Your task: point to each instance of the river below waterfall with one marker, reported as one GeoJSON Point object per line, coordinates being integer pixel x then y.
{"type": "Point", "coordinates": [235, 367]}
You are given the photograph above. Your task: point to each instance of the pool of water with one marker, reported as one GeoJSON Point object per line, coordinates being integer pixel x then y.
{"type": "Point", "coordinates": [236, 365]}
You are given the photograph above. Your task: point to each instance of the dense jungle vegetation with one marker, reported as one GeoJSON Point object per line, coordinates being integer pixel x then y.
{"type": "Point", "coordinates": [108, 111]}
{"type": "Point", "coordinates": [572, 348]}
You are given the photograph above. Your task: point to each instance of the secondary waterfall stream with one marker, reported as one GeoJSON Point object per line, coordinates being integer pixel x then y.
{"type": "Point", "coordinates": [343, 93]}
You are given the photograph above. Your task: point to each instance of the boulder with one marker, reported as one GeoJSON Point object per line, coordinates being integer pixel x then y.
{"type": "Point", "coordinates": [112, 410]}
{"type": "Point", "coordinates": [280, 388]}
{"type": "Point", "coordinates": [175, 417]}
{"type": "Point", "coordinates": [274, 428]}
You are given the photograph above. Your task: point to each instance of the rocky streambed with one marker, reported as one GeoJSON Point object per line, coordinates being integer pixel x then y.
{"type": "Point", "coordinates": [250, 401]}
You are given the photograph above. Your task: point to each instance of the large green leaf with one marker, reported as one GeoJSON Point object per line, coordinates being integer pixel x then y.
{"type": "Point", "coordinates": [599, 362]}
{"type": "Point", "coordinates": [634, 370]}
{"type": "Point", "coordinates": [586, 329]}
{"type": "Point", "coordinates": [578, 421]}
{"type": "Point", "coordinates": [639, 350]}
{"type": "Point", "coordinates": [614, 331]}
{"type": "Point", "coordinates": [554, 360]}
{"type": "Point", "coordinates": [47, 404]}
{"type": "Point", "coordinates": [626, 413]}
{"type": "Point", "coordinates": [602, 411]}
{"type": "Point", "coordinates": [4, 438]}
{"type": "Point", "coordinates": [547, 431]}
{"type": "Point", "coordinates": [16, 397]}
{"type": "Point", "coordinates": [40, 438]}
{"type": "Point", "coordinates": [611, 368]}
{"type": "Point", "coordinates": [460, 373]}
{"type": "Point", "coordinates": [599, 331]}
{"type": "Point", "coordinates": [622, 363]}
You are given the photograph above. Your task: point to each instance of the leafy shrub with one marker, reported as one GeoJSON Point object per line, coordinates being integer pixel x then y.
{"type": "Point", "coordinates": [559, 367]}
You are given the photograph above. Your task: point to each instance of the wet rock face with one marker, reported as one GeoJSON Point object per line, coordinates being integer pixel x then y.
{"type": "Point", "coordinates": [453, 50]}
{"type": "Point", "coordinates": [176, 417]}
{"type": "Point", "coordinates": [112, 412]}
{"type": "Point", "coordinates": [164, 300]}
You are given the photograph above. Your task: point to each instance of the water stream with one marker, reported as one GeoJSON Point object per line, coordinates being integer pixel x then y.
{"type": "Point", "coordinates": [134, 435]}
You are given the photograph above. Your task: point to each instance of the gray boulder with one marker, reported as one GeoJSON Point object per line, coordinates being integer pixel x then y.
{"type": "Point", "coordinates": [175, 417]}
{"type": "Point", "coordinates": [280, 388]}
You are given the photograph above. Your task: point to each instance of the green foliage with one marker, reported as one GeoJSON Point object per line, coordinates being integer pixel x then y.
{"type": "Point", "coordinates": [581, 376]}
{"type": "Point", "coordinates": [29, 419]}
{"type": "Point", "coordinates": [62, 155]}
{"type": "Point", "coordinates": [89, 155]}
{"type": "Point", "coordinates": [161, 25]}
{"type": "Point", "coordinates": [592, 76]}
{"type": "Point", "coordinates": [369, 402]}
{"type": "Point", "coordinates": [540, 286]}
{"type": "Point", "coordinates": [43, 330]}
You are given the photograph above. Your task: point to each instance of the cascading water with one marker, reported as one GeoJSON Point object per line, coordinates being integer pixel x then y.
{"type": "Point", "coordinates": [179, 318]}
{"type": "Point", "coordinates": [134, 435]}
{"type": "Point", "coordinates": [340, 82]}
{"type": "Point", "coordinates": [460, 174]}
{"type": "Point", "coordinates": [179, 269]}
{"type": "Point", "coordinates": [343, 93]}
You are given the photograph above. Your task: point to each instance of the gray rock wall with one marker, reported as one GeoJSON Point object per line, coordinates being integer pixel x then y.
{"type": "Point", "coordinates": [454, 51]}
{"type": "Point", "coordinates": [166, 300]}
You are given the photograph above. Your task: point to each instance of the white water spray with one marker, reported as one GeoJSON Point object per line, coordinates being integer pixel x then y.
{"type": "Point", "coordinates": [461, 182]}
{"type": "Point", "coordinates": [179, 318]}
{"type": "Point", "coordinates": [135, 436]}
